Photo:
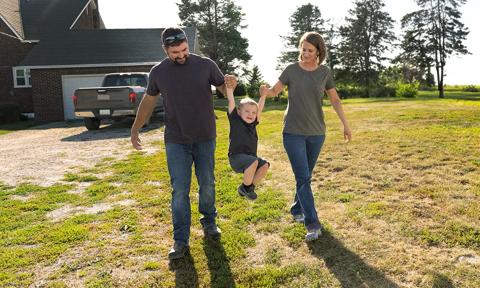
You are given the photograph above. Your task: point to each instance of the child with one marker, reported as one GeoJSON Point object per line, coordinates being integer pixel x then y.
{"type": "Point", "coordinates": [242, 152]}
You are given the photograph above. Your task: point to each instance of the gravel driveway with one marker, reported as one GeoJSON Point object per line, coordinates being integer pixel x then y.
{"type": "Point", "coordinates": [43, 154]}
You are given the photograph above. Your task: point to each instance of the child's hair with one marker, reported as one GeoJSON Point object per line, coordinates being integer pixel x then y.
{"type": "Point", "coordinates": [247, 101]}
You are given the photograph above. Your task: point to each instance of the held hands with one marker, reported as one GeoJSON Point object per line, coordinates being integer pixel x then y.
{"type": "Point", "coordinates": [230, 81]}
{"type": "Point", "coordinates": [264, 89]}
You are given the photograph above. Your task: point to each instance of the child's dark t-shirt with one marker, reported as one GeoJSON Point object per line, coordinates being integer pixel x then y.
{"type": "Point", "coordinates": [243, 136]}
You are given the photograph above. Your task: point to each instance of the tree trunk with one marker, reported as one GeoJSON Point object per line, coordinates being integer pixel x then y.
{"type": "Point", "coordinates": [441, 93]}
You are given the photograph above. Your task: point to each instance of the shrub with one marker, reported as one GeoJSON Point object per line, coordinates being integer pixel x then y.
{"type": "Point", "coordinates": [9, 113]}
{"type": "Point", "coordinates": [407, 90]}
{"type": "Point", "coordinates": [470, 88]}
{"type": "Point", "coordinates": [344, 93]}
{"type": "Point", "coordinates": [383, 91]}
{"type": "Point", "coordinates": [240, 90]}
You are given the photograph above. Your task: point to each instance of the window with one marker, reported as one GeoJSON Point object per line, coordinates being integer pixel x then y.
{"type": "Point", "coordinates": [21, 77]}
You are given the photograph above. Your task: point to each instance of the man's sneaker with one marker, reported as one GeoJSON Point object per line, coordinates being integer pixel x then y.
{"type": "Point", "coordinates": [212, 231]}
{"type": "Point", "coordinates": [299, 218]}
{"type": "Point", "coordinates": [313, 234]}
{"type": "Point", "coordinates": [249, 193]}
{"type": "Point", "coordinates": [178, 251]}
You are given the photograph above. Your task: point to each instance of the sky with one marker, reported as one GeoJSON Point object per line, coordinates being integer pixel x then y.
{"type": "Point", "coordinates": [267, 20]}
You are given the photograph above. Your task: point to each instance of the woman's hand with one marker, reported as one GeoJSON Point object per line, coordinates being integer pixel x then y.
{"type": "Point", "coordinates": [347, 134]}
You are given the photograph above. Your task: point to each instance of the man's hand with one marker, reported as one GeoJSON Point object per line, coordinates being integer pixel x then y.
{"type": "Point", "coordinates": [135, 139]}
{"type": "Point", "coordinates": [230, 81]}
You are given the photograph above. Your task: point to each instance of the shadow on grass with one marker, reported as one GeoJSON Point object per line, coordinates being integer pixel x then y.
{"type": "Point", "coordinates": [113, 130]}
{"type": "Point", "coordinates": [218, 264]}
{"type": "Point", "coordinates": [441, 281]}
{"type": "Point", "coordinates": [185, 273]}
{"type": "Point", "coordinates": [348, 268]}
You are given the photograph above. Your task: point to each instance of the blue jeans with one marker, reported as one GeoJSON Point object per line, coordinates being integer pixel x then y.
{"type": "Point", "coordinates": [303, 152]}
{"type": "Point", "coordinates": [180, 158]}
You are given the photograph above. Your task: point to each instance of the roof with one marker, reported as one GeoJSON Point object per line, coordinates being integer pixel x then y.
{"type": "Point", "coordinates": [10, 13]}
{"type": "Point", "coordinates": [91, 48]}
{"type": "Point", "coordinates": [44, 17]}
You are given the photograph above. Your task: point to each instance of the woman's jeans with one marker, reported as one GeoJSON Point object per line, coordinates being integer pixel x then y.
{"type": "Point", "coordinates": [303, 152]}
{"type": "Point", "coordinates": [180, 158]}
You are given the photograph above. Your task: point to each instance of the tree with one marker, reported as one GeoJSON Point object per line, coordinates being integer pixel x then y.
{"type": "Point", "coordinates": [416, 50]}
{"type": "Point", "coordinates": [217, 22]}
{"type": "Point", "coordinates": [305, 19]}
{"type": "Point", "coordinates": [255, 79]}
{"type": "Point", "coordinates": [444, 33]}
{"type": "Point", "coordinates": [365, 39]}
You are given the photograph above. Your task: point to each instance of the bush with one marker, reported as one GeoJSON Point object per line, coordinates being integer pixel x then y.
{"type": "Point", "coordinates": [470, 88]}
{"type": "Point", "coordinates": [9, 113]}
{"type": "Point", "coordinates": [253, 91]}
{"type": "Point", "coordinates": [351, 92]}
{"type": "Point", "coordinates": [383, 91]}
{"type": "Point", "coordinates": [240, 90]}
{"type": "Point", "coordinates": [343, 93]}
{"type": "Point", "coordinates": [407, 90]}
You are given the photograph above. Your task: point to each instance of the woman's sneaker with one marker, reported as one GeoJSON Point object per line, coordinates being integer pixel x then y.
{"type": "Point", "coordinates": [299, 218]}
{"type": "Point", "coordinates": [313, 234]}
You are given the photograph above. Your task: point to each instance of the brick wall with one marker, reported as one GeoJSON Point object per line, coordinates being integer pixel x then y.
{"type": "Point", "coordinates": [48, 93]}
{"type": "Point", "coordinates": [12, 52]}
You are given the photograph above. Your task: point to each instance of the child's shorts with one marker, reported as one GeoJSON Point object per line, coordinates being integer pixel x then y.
{"type": "Point", "coordinates": [240, 162]}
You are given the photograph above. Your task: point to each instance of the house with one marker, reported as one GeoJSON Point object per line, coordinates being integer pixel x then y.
{"type": "Point", "coordinates": [48, 48]}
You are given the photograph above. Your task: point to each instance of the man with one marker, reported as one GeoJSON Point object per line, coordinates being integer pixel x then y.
{"type": "Point", "coordinates": [184, 80]}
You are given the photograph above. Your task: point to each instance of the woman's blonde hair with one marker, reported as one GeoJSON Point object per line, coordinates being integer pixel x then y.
{"type": "Point", "coordinates": [316, 40]}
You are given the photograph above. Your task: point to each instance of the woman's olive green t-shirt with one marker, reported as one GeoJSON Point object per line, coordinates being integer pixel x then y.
{"type": "Point", "coordinates": [304, 114]}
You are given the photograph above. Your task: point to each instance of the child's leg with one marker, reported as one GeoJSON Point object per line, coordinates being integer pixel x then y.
{"type": "Point", "coordinates": [260, 174]}
{"type": "Point", "coordinates": [249, 173]}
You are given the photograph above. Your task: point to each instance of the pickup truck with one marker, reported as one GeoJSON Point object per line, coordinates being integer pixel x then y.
{"type": "Point", "coordinates": [119, 97]}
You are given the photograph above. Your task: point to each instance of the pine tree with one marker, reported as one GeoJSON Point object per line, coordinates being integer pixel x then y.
{"type": "Point", "coordinates": [218, 23]}
{"type": "Point", "coordinates": [444, 33]}
{"type": "Point", "coordinates": [306, 18]}
{"type": "Point", "coordinates": [365, 39]}
{"type": "Point", "coordinates": [255, 79]}
{"type": "Point", "coordinates": [416, 50]}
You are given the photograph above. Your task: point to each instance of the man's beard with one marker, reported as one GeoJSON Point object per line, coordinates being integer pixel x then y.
{"type": "Point", "coordinates": [178, 63]}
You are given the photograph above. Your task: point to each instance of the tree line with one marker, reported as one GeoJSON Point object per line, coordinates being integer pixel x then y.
{"type": "Point", "coordinates": [359, 52]}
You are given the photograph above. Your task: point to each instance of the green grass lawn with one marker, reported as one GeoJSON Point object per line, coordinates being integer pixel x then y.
{"type": "Point", "coordinates": [400, 205]}
{"type": "Point", "coordinates": [8, 128]}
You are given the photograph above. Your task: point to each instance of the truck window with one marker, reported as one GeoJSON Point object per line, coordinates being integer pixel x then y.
{"type": "Point", "coordinates": [111, 80]}
{"type": "Point", "coordinates": [138, 80]}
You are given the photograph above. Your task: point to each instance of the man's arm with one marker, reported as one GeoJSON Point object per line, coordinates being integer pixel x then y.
{"type": "Point", "coordinates": [144, 111]}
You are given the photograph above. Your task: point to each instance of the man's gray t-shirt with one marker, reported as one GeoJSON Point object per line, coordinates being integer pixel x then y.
{"type": "Point", "coordinates": [187, 97]}
{"type": "Point", "coordinates": [304, 114]}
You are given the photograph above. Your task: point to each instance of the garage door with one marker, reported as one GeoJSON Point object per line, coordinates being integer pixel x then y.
{"type": "Point", "coordinates": [72, 82]}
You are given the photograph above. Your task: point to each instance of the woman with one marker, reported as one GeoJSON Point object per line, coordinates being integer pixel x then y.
{"type": "Point", "coordinates": [304, 125]}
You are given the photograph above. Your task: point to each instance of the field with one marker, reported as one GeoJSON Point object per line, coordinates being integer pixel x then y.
{"type": "Point", "coordinates": [400, 205]}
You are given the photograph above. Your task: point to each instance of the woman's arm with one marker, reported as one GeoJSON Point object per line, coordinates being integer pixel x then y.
{"type": "Point", "coordinates": [337, 106]}
{"type": "Point", "coordinates": [271, 92]}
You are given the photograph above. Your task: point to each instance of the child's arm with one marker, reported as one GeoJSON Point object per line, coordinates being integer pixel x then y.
{"type": "Point", "coordinates": [231, 100]}
{"type": "Point", "coordinates": [261, 104]}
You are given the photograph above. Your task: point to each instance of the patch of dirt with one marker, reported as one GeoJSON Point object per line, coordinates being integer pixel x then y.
{"type": "Point", "coordinates": [43, 154]}
{"type": "Point", "coordinates": [67, 210]}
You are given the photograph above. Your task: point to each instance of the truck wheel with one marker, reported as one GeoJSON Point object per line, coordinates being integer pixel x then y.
{"type": "Point", "coordinates": [92, 123]}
